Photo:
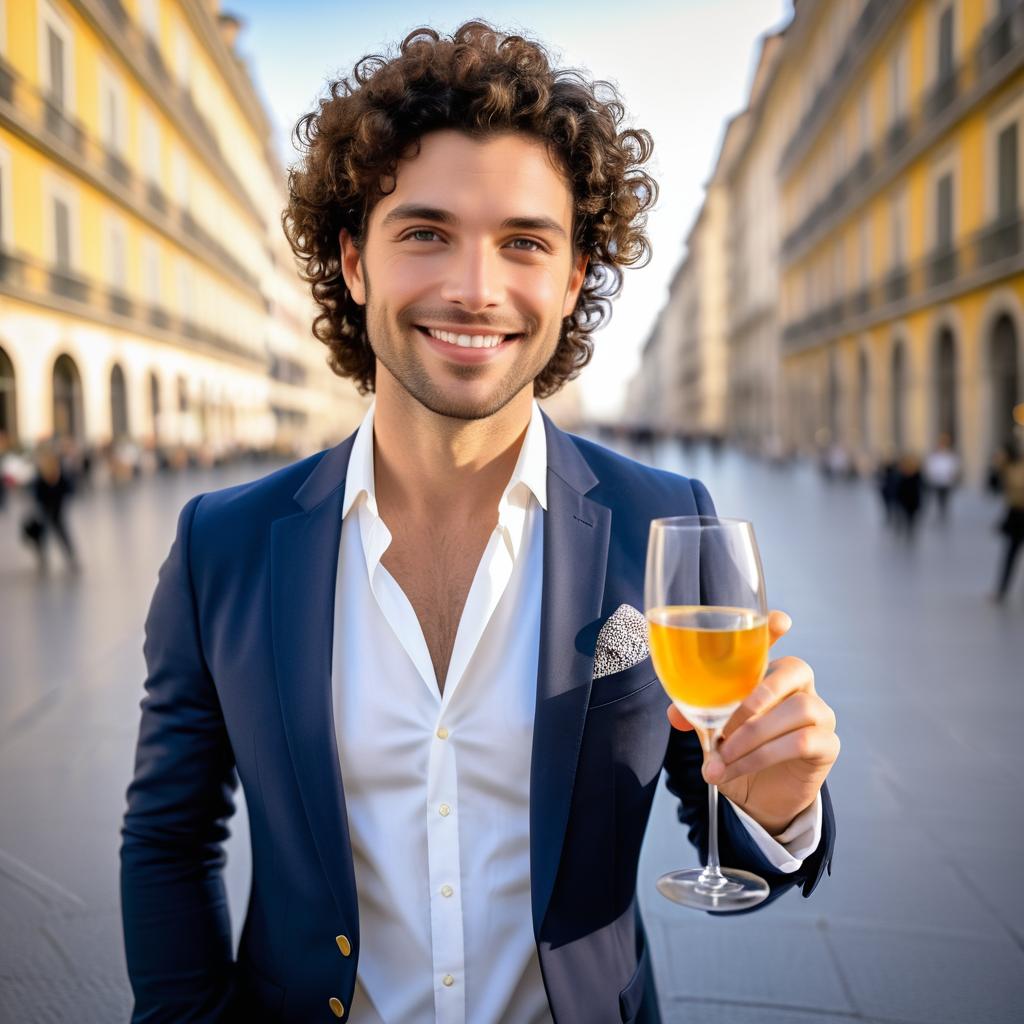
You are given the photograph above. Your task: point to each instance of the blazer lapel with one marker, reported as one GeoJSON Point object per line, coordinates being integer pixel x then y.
{"type": "Point", "coordinates": [304, 564]}
{"type": "Point", "coordinates": [576, 536]}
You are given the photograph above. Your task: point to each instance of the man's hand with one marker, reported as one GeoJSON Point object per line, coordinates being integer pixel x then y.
{"type": "Point", "coordinates": [779, 744]}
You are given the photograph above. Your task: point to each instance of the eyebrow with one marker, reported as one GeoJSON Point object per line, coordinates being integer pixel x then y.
{"type": "Point", "coordinates": [435, 215]}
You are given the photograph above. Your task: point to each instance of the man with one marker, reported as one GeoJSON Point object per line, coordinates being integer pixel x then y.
{"type": "Point", "coordinates": [942, 473]}
{"type": "Point", "coordinates": [393, 642]}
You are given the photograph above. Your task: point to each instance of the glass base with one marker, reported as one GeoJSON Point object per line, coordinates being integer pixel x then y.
{"type": "Point", "coordinates": [690, 888]}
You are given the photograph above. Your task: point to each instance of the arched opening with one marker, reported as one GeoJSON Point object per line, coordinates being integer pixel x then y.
{"type": "Point", "coordinates": [118, 404]}
{"type": "Point", "coordinates": [1004, 379]}
{"type": "Point", "coordinates": [67, 399]}
{"type": "Point", "coordinates": [8, 409]}
{"type": "Point", "coordinates": [945, 385]}
{"type": "Point", "coordinates": [898, 396]}
{"type": "Point", "coordinates": [154, 406]}
{"type": "Point", "coordinates": [863, 403]}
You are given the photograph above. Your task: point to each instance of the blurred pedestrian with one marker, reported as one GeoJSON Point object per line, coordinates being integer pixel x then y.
{"type": "Point", "coordinates": [5, 447]}
{"type": "Point", "coordinates": [887, 478]}
{"type": "Point", "coordinates": [50, 490]}
{"type": "Point", "coordinates": [942, 473]}
{"type": "Point", "coordinates": [909, 488]}
{"type": "Point", "coordinates": [1012, 524]}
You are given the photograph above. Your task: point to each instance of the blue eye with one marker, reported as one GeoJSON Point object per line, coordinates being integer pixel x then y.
{"type": "Point", "coordinates": [534, 246]}
{"type": "Point", "coordinates": [416, 235]}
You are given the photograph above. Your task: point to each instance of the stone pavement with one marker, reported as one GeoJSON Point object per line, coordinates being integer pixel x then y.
{"type": "Point", "coordinates": [921, 921]}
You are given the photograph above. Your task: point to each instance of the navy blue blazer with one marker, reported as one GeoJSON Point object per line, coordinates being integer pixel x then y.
{"type": "Point", "coordinates": [238, 650]}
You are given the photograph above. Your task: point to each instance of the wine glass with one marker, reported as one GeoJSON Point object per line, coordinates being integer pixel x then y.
{"type": "Point", "coordinates": [704, 598]}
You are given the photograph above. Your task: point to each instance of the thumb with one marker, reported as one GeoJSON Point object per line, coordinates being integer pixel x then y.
{"type": "Point", "coordinates": [779, 624]}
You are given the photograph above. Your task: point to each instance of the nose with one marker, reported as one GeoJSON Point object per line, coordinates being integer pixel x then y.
{"type": "Point", "coordinates": [473, 278]}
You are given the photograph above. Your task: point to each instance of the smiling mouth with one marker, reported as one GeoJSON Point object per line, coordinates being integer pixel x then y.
{"type": "Point", "coordinates": [475, 340]}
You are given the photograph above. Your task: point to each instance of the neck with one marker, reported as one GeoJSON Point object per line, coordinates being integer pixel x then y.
{"type": "Point", "coordinates": [438, 466]}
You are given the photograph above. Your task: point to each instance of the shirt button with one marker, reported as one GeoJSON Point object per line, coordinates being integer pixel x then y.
{"type": "Point", "coordinates": [447, 890]}
{"type": "Point", "coordinates": [336, 1006]}
{"type": "Point", "coordinates": [442, 733]}
{"type": "Point", "coordinates": [344, 945]}
{"type": "Point", "coordinates": [447, 981]}
{"type": "Point", "coordinates": [445, 810]}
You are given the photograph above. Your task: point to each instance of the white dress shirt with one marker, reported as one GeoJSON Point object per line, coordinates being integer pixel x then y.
{"type": "Point", "coordinates": [437, 786]}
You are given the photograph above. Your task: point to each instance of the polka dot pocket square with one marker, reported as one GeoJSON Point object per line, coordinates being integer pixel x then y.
{"type": "Point", "coordinates": [622, 641]}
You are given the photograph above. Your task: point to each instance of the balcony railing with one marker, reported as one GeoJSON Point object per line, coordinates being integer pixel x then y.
{"type": "Point", "coordinates": [108, 169]}
{"type": "Point", "coordinates": [896, 284]}
{"type": "Point", "coordinates": [117, 168]}
{"type": "Point", "coordinates": [6, 82]}
{"type": "Point", "coordinates": [999, 38]}
{"type": "Point", "coordinates": [1001, 240]}
{"type": "Point", "coordinates": [990, 254]}
{"type": "Point", "coordinates": [897, 136]}
{"type": "Point", "coordinates": [156, 198]}
{"type": "Point", "coordinates": [942, 94]}
{"type": "Point", "coordinates": [63, 127]}
{"type": "Point", "coordinates": [68, 285]}
{"type": "Point", "coordinates": [63, 288]}
{"type": "Point", "coordinates": [918, 128]}
{"type": "Point", "coordinates": [942, 268]}
{"type": "Point", "coordinates": [120, 304]}
{"type": "Point", "coordinates": [856, 47]}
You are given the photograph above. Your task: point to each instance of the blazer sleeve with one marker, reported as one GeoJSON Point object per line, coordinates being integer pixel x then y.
{"type": "Point", "coordinates": [173, 901]}
{"type": "Point", "coordinates": [737, 849]}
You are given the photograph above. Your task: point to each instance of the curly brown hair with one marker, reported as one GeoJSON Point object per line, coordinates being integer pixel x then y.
{"type": "Point", "coordinates": [482, 82]}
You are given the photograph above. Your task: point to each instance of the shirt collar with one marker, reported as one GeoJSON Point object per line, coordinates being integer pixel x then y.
{"type": "Point", "coordinates": [531, 470]}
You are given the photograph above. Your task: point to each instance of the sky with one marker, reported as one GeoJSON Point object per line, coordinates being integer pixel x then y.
{"type": "Point", "coordinates": [683, 67]}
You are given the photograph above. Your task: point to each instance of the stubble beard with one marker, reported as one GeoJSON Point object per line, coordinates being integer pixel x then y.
{"type": "Point", "coordinates": [403, 362]}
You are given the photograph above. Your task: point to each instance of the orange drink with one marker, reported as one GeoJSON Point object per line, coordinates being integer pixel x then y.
{"type": "Point", "coordinates": [708, 656]}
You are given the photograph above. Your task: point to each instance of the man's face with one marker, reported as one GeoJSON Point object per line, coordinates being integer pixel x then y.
{"type": "Point", "coordinates": [467, 272]}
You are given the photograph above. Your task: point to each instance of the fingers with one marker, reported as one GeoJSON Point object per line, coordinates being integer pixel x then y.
{"type": "Point", "coordinates": [785, 676]}
{"type": "Point", "coordinates": [798, 711]}
{"type": "Point", "coordinates": [779, 624]}
{"type": "Point", "coordinates": [812, 745]}
{"type": "Point", "coordinates": [677, 719]}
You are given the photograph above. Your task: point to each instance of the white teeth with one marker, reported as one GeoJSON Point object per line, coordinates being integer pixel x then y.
{"type": "Point", "coordinates": [467, 340]}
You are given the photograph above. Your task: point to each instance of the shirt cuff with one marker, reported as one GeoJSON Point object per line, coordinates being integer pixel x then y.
{"type": "Point", "coordinates": [786, 851]}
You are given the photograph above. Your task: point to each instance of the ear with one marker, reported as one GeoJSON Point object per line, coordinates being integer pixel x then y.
{"type": "Point", "coordinates": [576, 279]}
{"type": "Point", "coordinates": [351, 267]}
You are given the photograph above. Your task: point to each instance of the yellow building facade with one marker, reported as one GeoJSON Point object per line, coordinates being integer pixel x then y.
{"type": "Point", "coordinates": [902, 254]}
{"type": "Point", "coordinates": [145, 289]}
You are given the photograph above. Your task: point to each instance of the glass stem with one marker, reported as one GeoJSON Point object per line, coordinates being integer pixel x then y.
{"type": "Point", "coordinates": [711, 877]}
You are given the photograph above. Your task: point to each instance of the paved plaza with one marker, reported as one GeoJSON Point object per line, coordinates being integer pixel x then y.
{"type": "Point", "coordinates": [921, 921]}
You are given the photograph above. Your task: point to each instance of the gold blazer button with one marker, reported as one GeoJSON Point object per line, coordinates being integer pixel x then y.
{"type": "Point", "coordinates": [344, 945]}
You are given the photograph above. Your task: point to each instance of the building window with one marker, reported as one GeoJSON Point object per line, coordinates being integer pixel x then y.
{"type": "Point", "coordinates": [180, 178]}
{"type": "Point", "coordinates": [116, 253]}
{"type": "Point", "coordinates": [151, 272]}
{"type": "Point", "coordinates": [183, 57]}
{"type": "Point", "coordinates": [865, 251]}
{"type": "Point", "coordinates": [897, 231]}
{"type": "Point", "coordinates": [55, 60]}
{"type": "Point", "coordinates": [898, 84]}
{"type": "Point", "coordinates": [149, 17]}
{"type": "Point", "coordinates": [67, 398]}
{"type": "Point", "coordinates": [112, 113]}
{"type": "Point", "coordinates": [149, 132]}
{"type": "Point", "coordinates": [944, 212]}
{"type": "Point", "coordinates": [945, 59]}
{"type": "Point", "coordinates": [864, 120]}
{"type": "Point", "coordinates": [6, 224]}
{"type": "Point", "coordinates": [1008, 172]}
{"type": "Point", "coordinates": [61, 234]}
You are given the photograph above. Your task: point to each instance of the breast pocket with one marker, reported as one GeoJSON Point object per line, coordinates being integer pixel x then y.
{"type": "Point", "coordinates": [619, 685]}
